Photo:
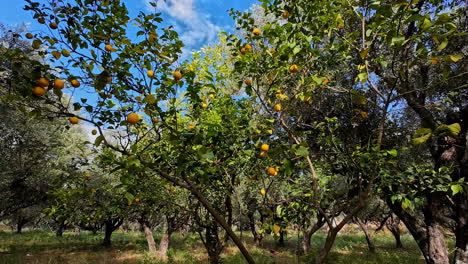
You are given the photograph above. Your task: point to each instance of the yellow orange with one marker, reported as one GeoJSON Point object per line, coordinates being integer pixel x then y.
{"type": "Point", "coordinates": [43, 82]}
{"type": "Point", "coordinates": [277, 107]}
{"type": "Point", "coordinates": [293, 68]}
{"type": "Point", "coordinates": [248, 82]}
{"type": "Point", "coordinates": [39, 91]}
{"type": "Point", "coordinates": [53, 25]}
{"type": "Point", "coordinates": [285, 15]}
{"type": "Point", "coordinates": [133, 118]}
{"type": "Point", "coordinates": [59, 84]}
{"type": "Point", "coordinates": [177, 75]}
{"type": "Point", "coordinates": [150, 73]}
{"type": "Point", "coordinates": [29, 36]}
{"type": "Point", "coordinates": [73, 120]}
{"type": "Point", "coordinates": [94, 132]}
{"type": "Point", "coordinates": [109, 47]}
{"type": "Point", "coordinates": [263, 192]}
{"type": "Point", "coordinates": [265, 147]}
{"type": "Point", "coordinates": [256, 31]}
{"type": "Point", "coordinates": [272, 171]}
{"type": "Point", "coordinates": [75, 83]}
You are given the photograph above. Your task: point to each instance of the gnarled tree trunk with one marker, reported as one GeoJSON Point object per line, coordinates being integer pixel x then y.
{"type": "Point", "coordinates": [307, 236]}
{"type": "Point", "coordinates": [149, 237]}
{"type": "Point", "coordinates": [110, 225]}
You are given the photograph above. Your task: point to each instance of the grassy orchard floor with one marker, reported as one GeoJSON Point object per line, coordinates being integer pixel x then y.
{"type": "Point", "coordinates": [43, 247]}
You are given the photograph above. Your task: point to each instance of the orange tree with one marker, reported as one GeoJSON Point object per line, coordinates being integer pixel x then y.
{"type": "Point", "coordinates": [128, 68]}
{"type": "Point", "coordinates": [382, 61]}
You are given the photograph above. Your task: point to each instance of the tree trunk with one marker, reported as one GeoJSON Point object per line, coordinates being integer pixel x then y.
{"type": "Point", "coordinates": [309, 233]}
{"type": "Point", "coordinates": [256, 236]}
{"type": "Point", "coordinates": [396, 234]}
{"type": "Point", "coordinates": [213, 244]}
{"type": "Point", "coordinates": [461, 229]}
{"type": "Point", "coordinates": [59, 231]}
{"type": "Point", "coordinates": [365, 230]}
{"type": "Point", "coordinates": [165, 243]}
{"type": "Point", "coordinates": [331, 236]}
{"type": "Point", "coordinates": [333, 231]}
{"type": "Point", "coordinates": [429, 236]}
{"type": "Point", "coordinates": [109, 227]}
{"type": "Point", "coordinates": [281, 239]}
{"type": "Point", "coordinates": [19, 226]}
{"type": "Point", "coordinates": [217, 216]}
{"type": "Point", "coordinates": [77, 231]}
{"type": "Point", "coordinates": [306, 241]}
{"type": "Point", "coordinates": [149, 238]}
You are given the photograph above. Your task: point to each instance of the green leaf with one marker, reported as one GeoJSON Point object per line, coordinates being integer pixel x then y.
{"type": "Point", "coordinates": [454, 129]}
{"type": "Point", "coordinates": [456, 57]}
{"type": "Point", "coordinates": [406, 203]}
{"type": "Point", "coordinates": [420, 140]}
{"type": "Point", "coordinates": [129, 197]}
{"type": "Point", "coordinates": [456, 189]}
{"type": "Point", "coordinates": [363, 77]}
{"type": "Point", "coordinates": [443, 44]}
{"type": "Point", "coordinates": [302, 151]}
{"type": "Point", "coordinates": [393, 152]}
{"type": "Point", "coordinates": [98, 140]}
{"type": "Point", "coordinates": [363, 53]}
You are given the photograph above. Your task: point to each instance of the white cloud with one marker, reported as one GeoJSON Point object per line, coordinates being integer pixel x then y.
{"type": "Point", "coordinates": [195, 28]}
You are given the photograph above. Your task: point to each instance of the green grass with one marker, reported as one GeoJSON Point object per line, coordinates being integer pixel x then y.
{"type": "Point", "coordinates": [43, 247]}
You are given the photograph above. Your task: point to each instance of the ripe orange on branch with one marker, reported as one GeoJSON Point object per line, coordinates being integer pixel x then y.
{"type": "Point", "coordinates": [293, 68]}
{"type": "Point", "coordinates": [272, 171]}
{"type": "Point", "coordinates": [248, 82]}
{"type": "Point", "coordinates": [39, 91]}
{"type": "Point", "coordinates": [59, 84]}
{"type": "Point", "coordinates": [277, 107]}
{"type": "Point", "coordinates": [265, 147]}
{"type": "Point", "coordinates": [256, 31]}
{"type": "Point", "coordinates": [75, 83]}
{"type": "Point", "coordinates": [177, 75]}
{"type": "Point", "coordinates": [73, 120]}
{"type": "Point", "coordinates": [133, 118]}
{"type": "Point", "coordinates": [43, 82]}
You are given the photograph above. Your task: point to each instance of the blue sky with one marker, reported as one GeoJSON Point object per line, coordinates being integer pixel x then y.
{"type": "Point", "coordinates": [197, 21]}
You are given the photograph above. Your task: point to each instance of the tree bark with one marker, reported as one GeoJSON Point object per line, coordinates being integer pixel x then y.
{"type": "Point", "coordinates": [281, 239]}
{"type": "Point", "coordinates": [395, 230]}
{"type": "Point", "coordinates": [59, 231]}
{"type": "Point", "coordinates": [306, 238]}
{"type": "Point", "coordinates": [110, 226]}
{"type": "Point", "coordinates": [256, 236]}
{"type": "Point", "coordinates": [331, 236]}
{"type": "Point", "coordinates": [368, 235]}
{"type": "Point", "coordinates": [165, 243]}
{"type": "Point", "coordinates": [217, 216]}
{"type": "Point", "coordinates": [149, 237]}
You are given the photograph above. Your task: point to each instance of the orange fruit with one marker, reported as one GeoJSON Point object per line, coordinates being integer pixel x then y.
{"type": "Point", "coordinates": [248, 47]}
{"type": "Point", "coordinates": [262, 154]}
{"type": "Point", "coordinates": [293, 68]}
{"type": "Point", "coordinates": [59, 84]}
{"type": "Point", "coordinates": [256, 31]}
{"type": "Point", "coordinates": [204, 105]}
{"type": "Point", "coordinates": [272, 171]}
{"type": "Point", "coordinates": [73, 120]}
{"type": "Point", "coordinates": [265, 147]}
{"type": "Point", "coordinates": [242, 51]}
{"type": "Point", "coordinates": [211, 96]}
{"type": "Point", "coordinates": [277, 107]}
{"type": "Point", "coordinates": [29, 36]}
{"type": "Point", "coordinates": [87, 175]}
{"type": "Point", "coordinates": [133, 118]}
{"type": "Point", "coordinates": [109, 47]}
{"type": "Point", "coordinates": [53, 25]}
{"type": "Point", "coordinates": [137, 200]}
{"type": "Point", "coordinates": [248, 82]}
{"type": "Point", "coordinates": [177, 75]}
{"type": "Point", "coordinates": [263, 192]}
{"type": "Point", "coordinates": [41, 20]}
{"type": "Point", "coordinates": [39, 91]}
{"type": "Point", "coordinates": [285, 15]}
{"type": "Point", "coordinates": [75, 83]}
{"type": "Point", "coordinates": [43, 82]}
{"type": "Point", "coordinates": [150, 73]}
{"type": "Point", "coordinates": [94, 132]}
